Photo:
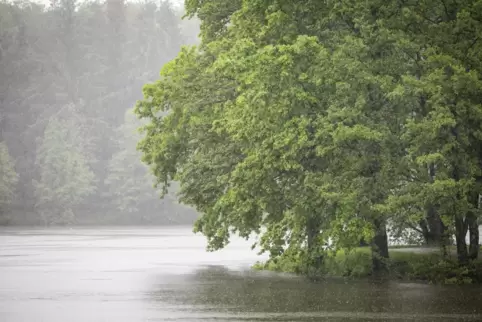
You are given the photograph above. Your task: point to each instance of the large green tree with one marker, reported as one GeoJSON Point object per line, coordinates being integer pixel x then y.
{"type": "Point", "coordinates": [277, 104]}
{"type": "Point", "coordinates": [442, 169]}
{"type": "Point", "coordinates": [316, 123]}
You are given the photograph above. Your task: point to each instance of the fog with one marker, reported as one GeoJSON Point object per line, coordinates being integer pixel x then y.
{"type": "Point", "coordinates": [70, 75]}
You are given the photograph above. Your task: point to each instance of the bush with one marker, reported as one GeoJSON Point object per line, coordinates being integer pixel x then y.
{"type": "Point", "coordinates": [428, 267]}
{"type": "Point", "coordinates": [354, 263]}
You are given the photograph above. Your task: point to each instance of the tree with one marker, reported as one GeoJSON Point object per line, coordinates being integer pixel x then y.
{"type": "Point", "coordinates": [19, 26]}
{"type": "Point", "coordinates": [83, 62]}
{"type": "Point", "coordinates": [322, 121]}
{"type": "Point", "coordinates": [65, 178]}
{"type": "Point", "coordinates": [130, 184]}
{"type": "Point", "coordinates": [128, 180]}
{"type": "Point", "coordinates": [279, 166]}
{"type": "Point", "coordinates": [8, 178]}
{"type": "Point", "coordinates": [441, 131]}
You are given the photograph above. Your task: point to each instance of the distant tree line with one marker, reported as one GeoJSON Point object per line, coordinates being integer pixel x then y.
{"type": "Point", "coordinates": [69, 74]}
{"type": "Point", "coordinates": [323, 124]}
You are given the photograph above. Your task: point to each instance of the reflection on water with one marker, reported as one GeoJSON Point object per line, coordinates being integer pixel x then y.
{"type": "Point", "coordinates": [131, 275]}
{"type": "Point", "coordinates": [269, 296]}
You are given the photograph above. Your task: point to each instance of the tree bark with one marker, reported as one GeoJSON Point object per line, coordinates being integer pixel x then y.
{"type": "Point", "coordinates": [460, 233]}
{"type": "Point", "coordinates": [460, 221]}
{"type": "Point", "coordinates": [425, 231]}
{"type": "Point", "coordinates": [473, 225]}
{"type": "Point", "coordinates": [312, 232]}
{"type": "Point", "coordinates": [379, 248]}
{"type": "Point", "coordinates": [474, 237]}
{"type": "Point", "coordinates": [435, 226]}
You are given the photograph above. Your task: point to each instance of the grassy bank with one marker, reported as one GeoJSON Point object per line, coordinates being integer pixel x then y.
{"type": "Point", "coordinates": [427, 266]}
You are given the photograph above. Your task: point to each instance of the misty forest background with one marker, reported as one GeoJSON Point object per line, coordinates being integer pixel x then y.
{"type": "Point", "coordinates": [70, 74]}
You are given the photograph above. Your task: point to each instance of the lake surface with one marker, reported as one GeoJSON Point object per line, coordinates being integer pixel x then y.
{"type": "Point", "coordinates": [164, 274]}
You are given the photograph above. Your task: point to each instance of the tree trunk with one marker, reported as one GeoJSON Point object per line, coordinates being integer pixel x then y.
{"type": "Point", "coordinates": [474, 237]}
{"type": "Point", "coordinates": [312, 232]}
{"type": "Point", "coordinates": [473, 225]}
{"type": "Point", "coordinates": [435, 226]}
{"type": "Point", "coordinates": [460, 233]}
{"type": "Point", "coordinates": [379, 247]}
{"type": "Point", "coordinates": [425, 231]}
{"type": "Point", "coordinates": [460, 222]}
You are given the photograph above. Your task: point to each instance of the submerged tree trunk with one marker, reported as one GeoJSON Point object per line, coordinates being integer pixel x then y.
{"type": "Point", "coordinates": [379, 247]}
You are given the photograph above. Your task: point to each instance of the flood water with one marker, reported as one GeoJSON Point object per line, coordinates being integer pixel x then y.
{"type": "Point", "coordinates": [164, 274]}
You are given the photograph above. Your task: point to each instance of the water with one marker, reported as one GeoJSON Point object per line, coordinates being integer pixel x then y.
{"type": "Point", "coordinates": [149, 274]}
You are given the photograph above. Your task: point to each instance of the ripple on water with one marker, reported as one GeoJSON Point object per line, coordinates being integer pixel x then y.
{"type": "Point", "coordinates": [134, 275]}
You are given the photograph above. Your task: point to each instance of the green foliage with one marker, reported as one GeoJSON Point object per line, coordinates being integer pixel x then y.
{"type": "Point", "coordinates": [8, 178]}
{"type": "Point", "coordinates": [128, 182]}
{"type": "Point", "coordinates": [354, 263]}
{"type": "Point", "coordinates": [434, 269]}
{"type": "Point", "coordinates": [84, 62]}
{"type": "Point", "coordinates": [422, 266]}
{"type": "Point", "coordinates": [313, 125]}
{"type": "Point", "coordinates": [65, 177]}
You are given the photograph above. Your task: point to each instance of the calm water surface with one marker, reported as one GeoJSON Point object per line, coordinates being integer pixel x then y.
{"type": "Point", "coordinates": [146, 274]}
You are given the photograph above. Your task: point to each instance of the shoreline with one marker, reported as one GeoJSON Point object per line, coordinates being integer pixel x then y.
{"type": "Point", "coordinates": [422, 265]}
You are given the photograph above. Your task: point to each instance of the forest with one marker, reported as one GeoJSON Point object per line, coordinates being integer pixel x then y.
{"type": "Point", "coordinates": [70, 74]}
{"type": "Point", "coordinates": [322, 126]}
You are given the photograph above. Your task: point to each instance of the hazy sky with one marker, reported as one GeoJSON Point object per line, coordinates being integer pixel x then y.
{"type": "Point", "coordinates": [175, 2]}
